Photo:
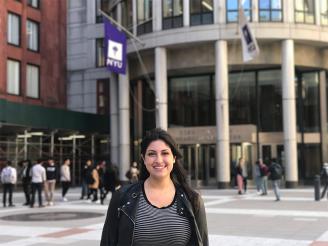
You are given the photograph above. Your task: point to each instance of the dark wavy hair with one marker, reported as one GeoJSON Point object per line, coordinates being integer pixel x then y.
{"type": "Point", "coordinates": [178, 173]}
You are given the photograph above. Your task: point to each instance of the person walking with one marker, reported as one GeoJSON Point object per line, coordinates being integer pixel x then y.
{"type": "Point", "coordinates": [87, 169]}
{"type": "Point", "coordinates": [264, 177]}
{"type": "Point", "coordinates": [139, 212]}
{"type": "Point", "coordinates": [275, 174]}
{"type": "Point", "coordinates": [65, 178]}
{"type": "Point", "coordinates": [38, 174]}
{"type": "Point", "coordinates": [26, 180]}
{"type": "Point", "coordinates": [240, 176]}
{"type": "Point", "coordinates": [110, 182]}
{"type": "Point", "coordinates": [324, 178]}
{"type": "Point", "coordinates": [50, 183]}
{"type": "Point", "coordinates": [8, 179]}
{"type": "Point", "coordinates": [94, 186]}
{"type": "Point", "coordinates": [133, 173]}
{"type": "Point", "coordinates": [258, 177]}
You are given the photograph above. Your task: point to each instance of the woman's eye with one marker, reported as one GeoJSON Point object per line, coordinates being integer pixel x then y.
{"type": "Point", "coordinates": [151, 154]}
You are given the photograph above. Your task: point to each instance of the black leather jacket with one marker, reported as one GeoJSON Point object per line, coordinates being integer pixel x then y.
{"type": "Point", "coordinates": [120, 221]}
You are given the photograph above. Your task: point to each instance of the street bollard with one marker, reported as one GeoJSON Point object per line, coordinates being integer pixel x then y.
{"type": "Point", "coordinates": [317, 188]}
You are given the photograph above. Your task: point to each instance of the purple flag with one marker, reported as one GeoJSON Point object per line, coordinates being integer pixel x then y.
{"type": "Point", "coordinates": [115, 48]}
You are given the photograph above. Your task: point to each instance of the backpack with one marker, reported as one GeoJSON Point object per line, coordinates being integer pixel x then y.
{"type": "Point", "coordinates": [276, 171]}
{"type": "Point", "coordinates": [264, 171]}
{"type": "Point", "coordinates": [88, 177]}
{"type": "Point", "coordinates": [7, 176]}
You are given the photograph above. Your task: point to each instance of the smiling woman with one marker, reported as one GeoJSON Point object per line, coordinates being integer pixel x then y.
{"type": "Point", "coordinates": [138, 213]}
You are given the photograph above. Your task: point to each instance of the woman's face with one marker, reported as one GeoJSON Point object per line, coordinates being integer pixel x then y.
{"type": "Point", "coordinates": [159, 159]}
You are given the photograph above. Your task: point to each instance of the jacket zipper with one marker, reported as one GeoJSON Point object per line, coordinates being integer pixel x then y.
{"type": "Point", "coordinates": [134, 225]}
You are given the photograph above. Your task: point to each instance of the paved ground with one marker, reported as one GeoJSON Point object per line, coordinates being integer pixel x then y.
{"type": "Point", "coordinates": [233, 220]}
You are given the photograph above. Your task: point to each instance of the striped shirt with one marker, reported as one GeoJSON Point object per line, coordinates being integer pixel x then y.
{"type": "Point", "coordinates": [160, 226]}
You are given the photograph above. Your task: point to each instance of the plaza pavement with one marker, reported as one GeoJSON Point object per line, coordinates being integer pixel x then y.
{"type": "Point", "coordinates": [233, 220]}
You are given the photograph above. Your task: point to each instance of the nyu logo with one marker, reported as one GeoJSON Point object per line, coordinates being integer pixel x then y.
{"type": "Point", "coordinates": [114, 54]}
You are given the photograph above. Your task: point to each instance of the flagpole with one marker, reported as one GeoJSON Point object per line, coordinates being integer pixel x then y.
{"type": "Point", "coordinates": [122, 27]}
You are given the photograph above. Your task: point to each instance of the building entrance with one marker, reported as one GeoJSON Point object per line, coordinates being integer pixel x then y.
{"type": "Point", "coordinates": [199, 161]}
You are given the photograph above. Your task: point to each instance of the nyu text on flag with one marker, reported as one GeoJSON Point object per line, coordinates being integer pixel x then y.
{"type": "Point", "coordinates": [248, 41]}
{"type": "Point", "coordinates": [115, 48]}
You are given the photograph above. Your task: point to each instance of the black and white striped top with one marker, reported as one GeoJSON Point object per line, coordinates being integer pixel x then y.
{"type": "Point", "coordinates": [160, 226]}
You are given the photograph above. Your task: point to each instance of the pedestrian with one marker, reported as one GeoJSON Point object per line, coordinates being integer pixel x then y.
{"type": "Point", "coordinates": [241, 179]}
{"type": "Point", "coordinates": [65, 178]}
{"type": "Point", "coordinates": [324, 178]}
{"type": "Point", "coordinates": [95, 184]}
{"type": "Point", "coordinates": [161, 208]}
{"type": "Point", "coordinates": [258, 177]}
{"type": "Point", "coordinates": [26, 180]}
{"type": "Point", "coordinates": [8, 180]}
{"type": "Point", "coordinates": [38, 174]}
{"type": "Point", "coordinates": [133, 173]}
{"type": "Point", "coordinates": [264, 170]}
{"type": "Point", "coordinates": [50, 183]}
{"type": "Point", "coordinates": [275, 175]}
{"type": "Point", "coordinates": [110, 182]}
{"type": "Point", "coordinates": [86, 174]}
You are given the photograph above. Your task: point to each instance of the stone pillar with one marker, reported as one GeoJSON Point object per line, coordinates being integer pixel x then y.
{"type": "Point", "coordinates": [289, 113]}
{"type": "Point", "coordinates": [114, 126]}
{"type": "Point", "coordinates": [186, 13]}
{"type": "Point", "coordinates": [124, 123]}
{"type": "Point", "coordinates": [255, 11]}
{"type": "Point", "coordinates": [221, 15]}
{"type": "Point", "coordinates": [288, 11]}
{"type": "Point", "coordinates": [222, 114]}
{"type": "Point", "coordinates": [134, 17]}
{"type": "Point", "coordinates": [323, 115]}
{"type": "Point", "coordinates": [161, 87]}
{"type": "Point", "coordinates": [157, 16]}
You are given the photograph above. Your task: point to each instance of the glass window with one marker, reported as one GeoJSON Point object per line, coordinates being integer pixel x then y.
{"type": "Point", "coordinates": [242, 100]}
{"type": "Point", "coordinates": [172, 14]}
{"type": "Point", "coordinates": [32, 33]}
{"type": "Point", "coordinates": [324, 12]}
{"type": "Point", "coordinates": [103, 96]}
{"type": "Point", "coordinates": [304, 11]}
{"type": "Point", "coordinates": [34, 3]}
{"type": "Point", "coordinates": [310, 161]}
{"type": "Point", "coordinates": [100, 56]}
{"type": "Point", "coordinates": [270, 101]}
{"type": "Point", "coordinates": [13, 77]}
{"type": "Point", "coordinates": [144, 16]}
{"type": "Point", "coordinates": [32, 81]}
{"type": "Point", "coordinates": [127, 12]}
{"type": "Point", "coordinates": [107, 6]}
{"type": "Point", "coordinates": [270, 10]}
{"type": "Point", "coordinates": [232, 10]}
{"type": "Point", "coordinates": [191, 101]}
{"type": "Point", "coordinates": [13, 32]}
{"type": "Point", "coordinates": [308, 102]}
{"type": "Point", "coordinates": [201, 12]}
{"type": "Point", "coordinates": [98, 13]}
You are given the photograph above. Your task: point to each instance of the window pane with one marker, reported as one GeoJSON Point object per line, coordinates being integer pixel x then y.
{"type": "Point", "coordinates": [207, 5]}
{"type": "Point", "coordinates": [100, 52]}
{"type": "Point", "coordinates": [247, 4]}
{"type": "Point", "coordinates": [32, 81]}
{"type": "Point", "coordinates": [270, 100]}
{"type": "Point", "coordinates": [299, 5]}
{"type": "Point", "coordinates": [299, 17]}
{"type": "Point", "coordinates": [32, 33]}
{"type": "Point", "coordinates": [276, 16]}
{"type": "Point", "coordinates": [33, 3]}
{"type": "Point", "coordinates": [13, 77]}
{"type": "Point", "coordinates": [264, 15]}
{"type": "Point", "coordinates": [232, 16]}
{"type": "Point", "coordinates": [232, 4]}
{"type": "Point", "coordinates": [13, 33]}
{"type": "Point", "coordinates": [276, 4]}
{"type": "Point", "coordinates": [195, 6]}
{"type": "Point", "coordinates": [264, 4]}
{"type": "Point", "coordinates": [167, 8]}
{"type": "Point", "coordinates": [324, 7]}
{"type": "Point", "coordinates": [177, 7]}
{"type": "Point", "coordinates": [309, 6]}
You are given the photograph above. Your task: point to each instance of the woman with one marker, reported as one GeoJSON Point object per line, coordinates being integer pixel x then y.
{"type": "Point", "coordinates": [160, 209]}
{"type": "Point", "coordinates": [65, 178]}
{"type": "Point", "coordinates": [240, 176]}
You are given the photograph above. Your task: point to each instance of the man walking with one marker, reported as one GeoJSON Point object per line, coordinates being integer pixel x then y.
{"type": "Point", "coordinates": [38, 173]}
{"type": "Point", "coordinates": [65, 178]}
{"type": "Point", "coordinates": [8, 179]}
{"type": "Point", "coordinates": [275, 174]}
{"type": "Point", "coordinates": [324, 177]}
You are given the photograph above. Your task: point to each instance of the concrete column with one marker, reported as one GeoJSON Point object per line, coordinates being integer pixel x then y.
{"type": "Point", "coordinates": [161, 87]}
{"type": "Point", "coordinates": [289, 113]}
{"type": "Point", "coordinates": [323, 115]}
{"type": "Point", "coordinates": [222, 114]}
{"type": "Point", "coordinates": [186, 13]}
{"type": "Point", "coordinates": [216, 11]}
{"type": "Point", "coordinates": [119, 13]}
{"type": "Point", "coordinates": [124, 124]}
{"type": "Point", "coordinates": [134, 17]}
{"type": "Point", "coordinates": [317, 14]}
{"type": "Point", "coordinates": [113, 117]}
{"type": "Point", "coordinates": [157, 16]}
{"type": "Point", "coordinates": [221, 15]}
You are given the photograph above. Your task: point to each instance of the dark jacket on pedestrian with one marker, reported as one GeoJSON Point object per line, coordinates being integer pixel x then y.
{"type": "Point", "coordinates": [120, 221]}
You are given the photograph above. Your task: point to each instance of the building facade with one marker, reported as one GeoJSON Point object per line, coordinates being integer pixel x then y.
{"type": "Point", "coordinates": [189, 77]}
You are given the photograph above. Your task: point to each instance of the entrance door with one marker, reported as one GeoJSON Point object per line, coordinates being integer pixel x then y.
{"type": "Point", "coordinates": [199, 161]}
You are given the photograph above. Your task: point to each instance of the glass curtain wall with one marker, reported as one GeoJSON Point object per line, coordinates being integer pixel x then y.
{"type": "Point", "coordinates": [191, 101]}
{"type": "Point", "coordinates": [305, 11]}
{"type": "Point", "coordinates": [269, 101]}
{"type": "Point", "coordinates": [232, 10]}
{"type": "Point", "coordinates": [144, 16]}
{"type": "Point", "coordinates": [242, 98]}
{"type": "Point", "coordinates": [201, 12]}
{"type": "Point", "coordinates": [172, 14]}
{"type": "Point", "coordinates": [270, 10]}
